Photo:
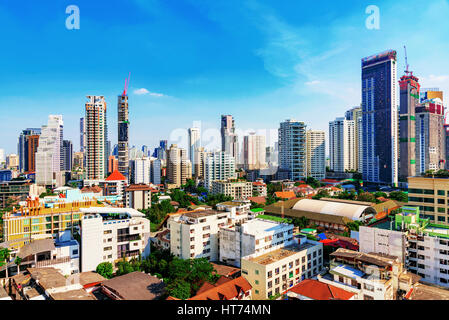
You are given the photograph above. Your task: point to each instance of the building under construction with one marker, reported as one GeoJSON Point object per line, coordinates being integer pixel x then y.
{"type": "Point", "coordinates": [123, 127]}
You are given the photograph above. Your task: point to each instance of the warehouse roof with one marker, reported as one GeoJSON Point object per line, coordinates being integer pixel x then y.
{"type": "Point", "coordinates": [348, 210]}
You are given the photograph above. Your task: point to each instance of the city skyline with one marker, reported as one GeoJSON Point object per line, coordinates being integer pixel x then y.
{"type": "Point", "coordinates": [285, 66]}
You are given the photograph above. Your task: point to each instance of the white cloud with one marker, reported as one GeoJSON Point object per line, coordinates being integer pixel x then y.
{"type": "Point", "coordinates": [143, 91]}
{"type": "Point", "coordinates": [311, 83]}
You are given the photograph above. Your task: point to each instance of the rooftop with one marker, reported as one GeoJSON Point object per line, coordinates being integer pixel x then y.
{"type": "Point", "coordinates": [136, 286]}
{"type": "Point", "coordinates": [429, 292]}
{"type": "Point", "coordinates": [279, 254]}
{"type": "Point", "coordinates": [49, 278]}
{"type": "Point", "coordinates": [317, 290]}
{"type": "Point", "coordinates": [224, 289]}
{"type": "Point", "coordinates": [77, 294]}
{"type": "Point", "coordinates": [200, 213]}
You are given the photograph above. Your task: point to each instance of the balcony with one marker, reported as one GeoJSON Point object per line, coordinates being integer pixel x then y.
{"type": "Point", "coordinates": [128, 253]}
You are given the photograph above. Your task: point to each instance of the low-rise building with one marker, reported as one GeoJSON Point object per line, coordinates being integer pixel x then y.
{"type": "Point", "coordinates": [133, 286]}
{"type": "Point", "coordinates": [225, 289]}
{"type": "Point", "coordinates": [311, 289]}
{"type": "Point", "coordinates": [236, 189]}
{"type": "Point", "coordinates": [194, 234]}
{"type": "Point", "coordinates": [138, 196]}
{"type": "Point", "coordinates": [372, 276]}
{"type": "Point", "coordinates": [236, 207]}
{"type": "Point", "coordinates": [111, 234]}
{"type": "Point", "coordinates": [254, 237]}
{"type": "Point", "coordinates": [273, 273]}
{"type": "Point", "coordinates": [259, 188]}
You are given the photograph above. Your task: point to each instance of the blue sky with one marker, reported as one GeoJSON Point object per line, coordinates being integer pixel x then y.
{"type": "Point", "coordinates": [261, 61]}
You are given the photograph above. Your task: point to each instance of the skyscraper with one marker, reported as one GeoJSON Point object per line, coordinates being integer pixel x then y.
{"type": "Point", "coordinates": [82, 134]}
{"type": "Point", "coordinates": [219, 165]}
{"type": "Point", "coordinates": [292, 149]}
{"type": "Point", "coordinates": [96, 138]}
{"type": "Point", "coordinates": [409, 99]}
{"type": "Point", "coordinates": [254, 153]}
{"type": "Point", "coordinates": [22, 147]}
{"type": "Point", "coordinates": [430, 136]}
{"type": "Point", "coordinates": [179, 168]}
{"type": "Point", "coordinates": [229, 140]}
{"type": "Point", "coordinates": [67, 147]}
{"type": "Point", "coordinates": [380, 119]}
{"type": "Point", "coordinates": [356, 115]}
{"type": "Point", "coordinates": [123, 127]}
{"type": "Point", "coordinates": [342, 144]}
{"type": "Point", "coordinates": [49, 155]}
{"type": "Point", "coordinates": [31, 145]}
{"type": "Point", "coordinates": [316, 154]}
{"type": "Point", "coordinates": [194, 144]}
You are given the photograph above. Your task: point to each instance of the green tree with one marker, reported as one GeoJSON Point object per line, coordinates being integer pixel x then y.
{"type": "Point", "coordinates": [179, 289]}
{"type": "Point", "coordinates": [399, 196]}
{"type": "Point", "coordinates": [322, 193]}
{"type": "Point", "coordinates": [4, 256]}
{"type": "Point", "coordinates": [366, 196]}
{"type": "Point", "coordinates": [105, 269]}
{"type": "Point", "coordinates": [123, 267]}
{"type": "Point", "coordinates": [301, 222]}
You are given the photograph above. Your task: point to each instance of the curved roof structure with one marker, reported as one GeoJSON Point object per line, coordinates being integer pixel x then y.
{"type": "Point", "coordinates": [351, 211]}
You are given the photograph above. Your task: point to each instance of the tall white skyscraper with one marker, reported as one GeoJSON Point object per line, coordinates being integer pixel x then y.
{"type": "Point", "coordinates": [140, 170]}
{"type": "Point", "coordinates": [219, 165]}
{"type": "Point", "coordinates": [194, 144]}
{"type": "Point", "coordinates": [356, 115]}
{"type": "Point", "coordinates": [292, 149]}
{"type": "Point", "coordinates": [49, 155]}
{"type": "Point", "coordinates": [2, 156]}
{"type": "Point", "coordinates": [342, 144]}
{"type": "Point", "coordinates": [316, 154]}
{"type": "Point", "coordinates": [254, 153]}
{"type": "Point", "coordinates": [96, 137]}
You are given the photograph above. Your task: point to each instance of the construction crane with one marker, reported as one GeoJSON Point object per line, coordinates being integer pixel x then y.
{"type": "Point", "coordinates": [125, 90]}
{"type": "Point", "coordinates": [406, 62]}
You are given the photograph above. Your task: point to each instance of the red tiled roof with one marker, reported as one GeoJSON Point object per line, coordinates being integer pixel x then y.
{"type": "Point", "coordinates": [224, 291]}
{"type": "Point", "coordinates": [258, 183]}
{"type": "Point", "coordinates": [138, 187]}
{"type": "Point", "coordinates": [116, 175]}
{"type": "Point", "coordinates": [94, 189]}
{"type": "Point", "coordinates": [329, 180]}
{"type": "Point", "coordinates": [257, 199]}
{"type": "Point", "coordinates": [285, 194]}
{"type": "Point", "coordinates": [317, 290]}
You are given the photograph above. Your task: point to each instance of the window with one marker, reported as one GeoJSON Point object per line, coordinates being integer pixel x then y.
{"type": "Point", "coordinates": [366, 297]}
{"type": "Point", "coordinates": [75, 251]}
{"type": "Point", "coordinates": [270, 284]}
{"type": "Point", "coordinates": [269, 274]}
{"type": "Point", "coordinates": [257, 281]}
{"type": "Point", "coordinates": [244, 271]}
{"type": "Point", "coordinates": [276, 271]}
{"type": "Point", "coordinates": [107, 248]}
{"type": "Point", "coordinates": [257, 271]}
{"type": "Point", "coordinates": [297, 262]}
{"type": "Point", "coordinates": [276, 281]}
{"type": "Point", "coordinates": [107, 231]}
{"type": "Point", "coordinates": [303, 260]}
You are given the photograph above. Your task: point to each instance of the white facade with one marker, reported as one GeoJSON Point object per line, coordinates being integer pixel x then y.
{"type": "Point", "coordinates": [49, 156]}
{"type": "Point", "coordinates": [195, 234]}
{"type": "Point", "coordinates": [316, 154]}
{"type": "Point", "coordinates": [109, 234]}
{"type": "Point", "coordinates": [218, 166]}
{"type": "Point", "coordinates": [254, 237]}
{"type": "Point", "coordinates": [342, 145]}
{"type": "Point", "coordinates": [141, 169]}
{"type": "Point", "coordinates": [194, 143]}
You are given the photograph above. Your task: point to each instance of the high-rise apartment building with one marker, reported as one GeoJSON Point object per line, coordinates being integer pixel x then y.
{"type": "Point", "coordinates": [96, 138]}
{"type": "Point", "coordinates": [82, 134]}
{"type": "Point", "coordinates": [356, 115]}
{"type": "Point", "coordinates": [430, 136]}
{"type": "Point", "coordinates": [49, 155]}
{"type": "Point", "coordinates": [140, 170]}
{"type": "Point", "coordinates": [219, 165]}
{"type": "Point", "coordinates": [200, 162]}
{"type": "Point", "coordinates": [123, 127]}
{"type": "Point", "coordinates": [254, 153]}
{"type": "Point", "coordinates": [342, 150]}
{"type": "Point", "coordinates": [409, 99]}
{"type": "Point", "coordinates": [31, 145]}
{"type": "Point", "coordinates": [179, 168]}
{"type": "Point", "coordinates": [229, 140]}
{"type": "Point", "coordinates": [67, 147]}
{"type": "Point", "coordinates": [194, 144]}
{"type": "Point", "coordinates": [112, 164]}
{"type": "Point", "coordinates": [156, 168]}
{"type": "Point", "coordinates": [22, 150]}
{"type": "Point", "coordinates": [316, 154]}
{"type": "Point", "coordinates": [380, 119]}
{"type": "Point", "coordinates": [292, 149]}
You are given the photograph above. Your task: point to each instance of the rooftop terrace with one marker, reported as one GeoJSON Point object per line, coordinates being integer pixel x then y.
{"type": "Point", "coordinates": [279, 254]}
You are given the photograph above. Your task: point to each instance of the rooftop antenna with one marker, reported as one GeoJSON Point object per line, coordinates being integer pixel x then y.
{"type": "Point", "coordinates": [125, 90]}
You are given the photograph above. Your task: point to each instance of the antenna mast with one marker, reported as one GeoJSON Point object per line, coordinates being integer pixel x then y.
{"type": "Point", "coordinates": [406, 61]}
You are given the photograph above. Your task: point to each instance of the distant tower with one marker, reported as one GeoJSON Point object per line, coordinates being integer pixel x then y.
{"type": "Point", "coordinates": [409, 100]}
{"type": "Point", "coordinates": [123, 127]}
